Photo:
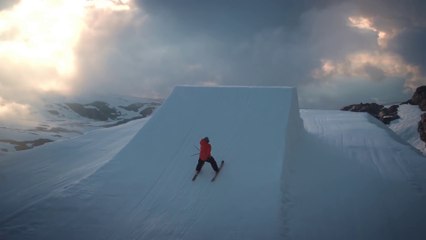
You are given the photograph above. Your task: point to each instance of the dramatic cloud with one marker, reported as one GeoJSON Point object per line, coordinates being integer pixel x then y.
{"type": "Point", "coordinates": [405, 21]}
{"type": "Point", "coordinates": [39, 42]}
{"type": "Point", "coordinates": [8, 109]}
{"type": "Point", "coordinates": [36, 45]}
{"type": "Point", "coordinates": [278, 43]}
{"type": "Point", "coordinates": [335, 52]}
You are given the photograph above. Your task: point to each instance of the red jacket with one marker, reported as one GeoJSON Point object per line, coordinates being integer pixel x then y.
{"type": "Point", "coordinates": [205, 150]}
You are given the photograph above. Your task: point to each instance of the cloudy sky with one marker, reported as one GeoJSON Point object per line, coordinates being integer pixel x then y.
{"type": "Point", "coordinates": [336, 52]}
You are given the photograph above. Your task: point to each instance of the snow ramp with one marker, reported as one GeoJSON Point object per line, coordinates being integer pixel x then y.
{"type": "Point", "coordinates": [146, 192]}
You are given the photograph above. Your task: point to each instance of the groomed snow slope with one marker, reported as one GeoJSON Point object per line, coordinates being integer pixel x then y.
{"type": "Point", "coordinates": [346, 177]}
{"type": "Point", "coordinates": [28, 177]}
{"type": "Point", "coordinates": [355, 179]}
{"type": "Point", "coordinates": [146, 191]}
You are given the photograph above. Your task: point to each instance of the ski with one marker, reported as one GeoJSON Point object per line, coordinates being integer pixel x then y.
{"type": "Point", "coordinates": [195, 176]}
{"type": "Point", "coordinates": [220, 169]}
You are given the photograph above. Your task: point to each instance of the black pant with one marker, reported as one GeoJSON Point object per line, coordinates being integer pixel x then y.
{"type": "Point", "coordinates": [210, 160]}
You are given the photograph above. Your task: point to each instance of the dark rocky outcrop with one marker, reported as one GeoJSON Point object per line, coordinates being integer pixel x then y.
{"type": "Point", "coordinates": [134, 107]}
{"type": "Point", "coordinates": [386, 115]}
{"type": "Point", "coordinates": [54, 130]}
{"type": "Point", "coordinates": [99, 111]}
{"type": "Point", "coordinates": [421, 127]}
{"type": "Point", "coordinates": [54, 112]}
{"type": "Point", "coordinates": [419, 97]}
{"type": "Point", "coordinates": [147, 111]}
{"type": "Point", "coordinates": [24, 145]}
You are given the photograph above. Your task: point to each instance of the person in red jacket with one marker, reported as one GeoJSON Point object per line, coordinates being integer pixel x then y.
{"type": "Point", "coordinates": [206, 156]}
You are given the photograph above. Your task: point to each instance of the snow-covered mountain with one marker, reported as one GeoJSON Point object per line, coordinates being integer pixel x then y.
{"type": "Point", "coordinates": [407, 119]}
{"type": "Point", "coordinates": [58, 119]}
{"type": "Point", "coordinates": [289, 174]}
{"type": "Point", "coordinates": [402, 118]}
{"type": "Point", "coordinates": [406, 126]}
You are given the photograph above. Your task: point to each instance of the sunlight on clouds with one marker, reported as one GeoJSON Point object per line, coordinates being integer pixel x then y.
{"type": "Point", "coordinates": [40, 49]}
{"type": "Point", "coordinates": [368, 24]}
{"type": "Point", "coordinates": [379, 65]}
{"type": "Point", "coordinates": [8, 109]}
{"type": "Point", "coordinates": [41, 34]}
{"type": "Point", "coordinates": [375, 66]}
{"type": "Point", "coordinates": [362, 23]}
{"type": "Point", "coordinates": [123, 5]}
{"type": "Point", "coordinates": [38, 40]}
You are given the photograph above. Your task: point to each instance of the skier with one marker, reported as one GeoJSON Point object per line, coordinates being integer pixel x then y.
{"type": "Point", "coordinates": [205, 156]}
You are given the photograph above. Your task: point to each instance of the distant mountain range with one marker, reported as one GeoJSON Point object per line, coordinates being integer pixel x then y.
{"type": "Point", "coordinates": [61, 120]}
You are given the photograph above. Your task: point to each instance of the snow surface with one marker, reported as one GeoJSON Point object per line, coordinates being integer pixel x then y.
{"type": "Point", "coordinates": [336, 175]}
{"type": "Point", "coordinates": [358, 180]}
{"type": "Point", "coordinates": [406, 126]}
{"type": "Point", "coordinates": [146, 191]}
{"type": "Point", "coordinates": [29, 177]}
